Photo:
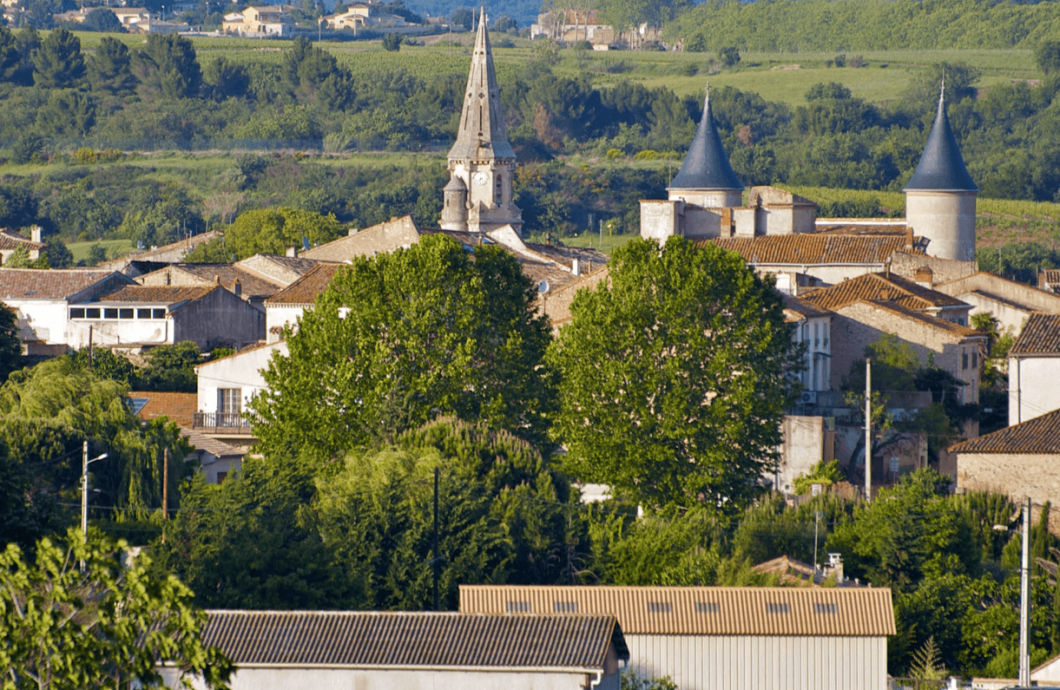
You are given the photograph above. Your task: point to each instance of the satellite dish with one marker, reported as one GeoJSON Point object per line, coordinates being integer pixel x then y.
{"type": "Point", "coordinates": [543, 287]}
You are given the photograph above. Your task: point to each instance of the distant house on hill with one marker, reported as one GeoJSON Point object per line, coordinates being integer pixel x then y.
{"type": "Point", "coordinates": [259, 21]}
{"type": "Point", "coordinates": [573, 25]}
{"type": "Point", "coordinates": [11, 241]}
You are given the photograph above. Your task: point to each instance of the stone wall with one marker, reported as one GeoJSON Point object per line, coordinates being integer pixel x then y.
{"type": "Point", "coordinates": [944, 270]}
{"type": "Point", "coordinates": [1015, 474]}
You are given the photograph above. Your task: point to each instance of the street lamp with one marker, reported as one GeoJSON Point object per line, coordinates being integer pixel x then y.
{"type": "Point", "coordinates": [85, 462]}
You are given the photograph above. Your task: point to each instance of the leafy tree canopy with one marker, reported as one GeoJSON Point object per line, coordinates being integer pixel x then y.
{"type": "Point", "coordinates": [58, 62]}
{"type": "Point", "coordinates": [402, 338]}
{"type": "Point", "coordinates": [105, 627]}
{"type": "Point", "coordinates": [674, 376]}
{"type": "Point", "coordinates": [10, 346]}
{"type": "Point", "coordinates": [271, 230]}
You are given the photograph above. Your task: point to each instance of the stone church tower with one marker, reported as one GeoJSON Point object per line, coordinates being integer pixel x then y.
{"type": "Point", "coordinates": [940, 197]}
{"type": "Point", "coordinates": [478, 197]}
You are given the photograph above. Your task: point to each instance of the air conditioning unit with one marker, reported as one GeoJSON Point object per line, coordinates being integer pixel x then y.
{"type": "Point", "coordinates": [808, 398]}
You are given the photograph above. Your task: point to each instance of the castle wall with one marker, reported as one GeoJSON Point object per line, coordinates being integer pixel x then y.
{"type": "Point", "coordinates": [947, 219]}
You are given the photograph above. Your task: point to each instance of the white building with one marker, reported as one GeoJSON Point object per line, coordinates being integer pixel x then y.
{"type": "Point", "coordinates": [226, 387]}
{"type": "Point", "coordinates": [377, 650]}
{"type": "Point", "coordinates": [288, 305]}
{"type": "Point", "coordinates": [1034, 369]}
{"type": "Point", "coordinates": [1009, 302]}
{"type": "Point", "coordinates": [727, 638]}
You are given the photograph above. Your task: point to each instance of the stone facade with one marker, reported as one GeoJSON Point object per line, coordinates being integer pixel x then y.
{"type": "Point", "coordinates": [1035, 475]}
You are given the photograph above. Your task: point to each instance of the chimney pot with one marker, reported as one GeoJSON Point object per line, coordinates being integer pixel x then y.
{"type": "Point", "coordinates": [576, 268]}
{"type": "Point", "coordinates": [292, 251]}
{"type": "Point", "coordinates": [216, 279]}
{"type": "Point", "coordinates": [35, 233]}
{"type": "Point", "coordinates": [353, 231]}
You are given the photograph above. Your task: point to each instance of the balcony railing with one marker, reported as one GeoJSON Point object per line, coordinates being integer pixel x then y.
{"type": "Point", "coordinates": [221, 423]}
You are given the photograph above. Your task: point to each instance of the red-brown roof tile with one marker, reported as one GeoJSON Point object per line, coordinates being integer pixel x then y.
{"type": "Point", "coordinates": [1039, 436]}
{"type": "Point", "coordinates": [1040, 336]}
{"type": "Point", "coordinates": [814, 249]}
{"type": "Point", "coordinates": [144, 294]}
{"type": "Point", "coordinates": [304, 291]}
{"type": "Point", "coordinates": [32, 283]}
{"type": "Point", "coordinates": [179, 407]}
{"type": "Point", "coordinates": [9, 239]}
{"type": "Point", "coordinates": [876, 286]}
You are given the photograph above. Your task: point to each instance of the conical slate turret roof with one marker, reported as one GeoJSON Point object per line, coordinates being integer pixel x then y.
{"type": "Point", "coordinates": [941, 167]}
{"type": "Point", "coordinates": [482, 135]}
{"type": "Point", "coordinates": [706, 166]}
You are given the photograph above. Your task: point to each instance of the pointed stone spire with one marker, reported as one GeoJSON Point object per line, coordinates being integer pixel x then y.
{"type": "Point", "coordinates": [706, 166]}
{"type": "Point", "coordinates": [941, 167]}
{"type": "Point", "coordinates": [482, 134]}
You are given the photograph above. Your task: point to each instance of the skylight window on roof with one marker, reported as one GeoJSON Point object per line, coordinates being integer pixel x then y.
{"type": "Point", "coordinates": [660, 607]}
{"type": "Point", "coordinates": [565, 607]}
{"type": "Point", "coordinates": [826, 608]}
{"type": "Point", "coordinates": [707, 607]}
{"type": "Point", "coordinates": [518, 607]}
{"type": "Point", "coordinates": [778, 608]}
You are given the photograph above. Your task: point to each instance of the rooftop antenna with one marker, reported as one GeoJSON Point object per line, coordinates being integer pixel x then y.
{"type": "Point", "coordinates": [942, 90]}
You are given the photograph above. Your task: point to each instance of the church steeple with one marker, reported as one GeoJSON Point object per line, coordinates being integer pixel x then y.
{"type": "Point", "coordinates": [482, 160]}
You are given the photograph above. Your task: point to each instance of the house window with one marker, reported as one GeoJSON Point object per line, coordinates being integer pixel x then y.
{"type": "Point", "coordinates": [500, 190]}
{"type": "Point", "coordinates": [221, 477]}
{"type": "Point", "coordinates": [143, 313]}
{"type": "Point", "coordinates": [158, 313]}
{"type": "Point", "coordinates": [110, 313]}
{"type": "Point", "coordinates": [229, 406]}
{"type": "Point", "coordinates": [565, 607]}
{"type": "Point", "coordinates": [706, 607]}
{"type": "Point", "coordinates": [778, 608]}
{"type": "Point", "coordinates": [125, 313]}
{"type": "Point", "coordinates": [660, 607]}
{"type": "Point", "coordinates": [975, 360]}
{"type": "Point", "coordinates": [964, 360]}
{"type": "Point", "coordinates": [77, 313]}
{"type": "Point", "coordinates": [826, 335]}
{"type": "Point", "coordinates": [92, 313]}
{"type": "Point", "coordinates": [816, 334]}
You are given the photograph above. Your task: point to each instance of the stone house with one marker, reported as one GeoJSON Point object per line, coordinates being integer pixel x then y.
{"type": "Point", "coordinates": [11, 241]}
{"type": "Point", "coordinates": [1009, 302]}
{"type": "Point", "coordinates": [1034, 369]}
{"type": "Point", "coordinates": [1049, 280]}
{"type": "Point", "coordinates": [887, 287]}
{"type": "Point", "coordinates": [259, 21]}
{"type": "Point", "coordinates": [1021, 461]}
{"type": "Point", "coordinates": [168, 253]}
{"type": "Point", "coordinates": [254, 279]}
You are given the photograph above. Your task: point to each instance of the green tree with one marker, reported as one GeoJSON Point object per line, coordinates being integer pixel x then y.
{"type": "Point", "coordinates": [1047, 55]}
{"type": "Point", "coordinates": [271, 230]}
{"type": "Point", "coordinates": [58, 63]}
{"type": "Point", "coordinates": [9, 55]}
{"type": "Point", "coordinates": [171, 368]}
{"type": "Point", "coordinates": [20, 259]}
{"type": "Point", "coordinates": [68, 114]}
{"type": "Point", "coordinates": [403, 338]}
{"type": "Point", "coordinates": [167, 65]}
{"type": "Point", "coordinates": [225, 79]}
{"type": "Point", "coordinates": [57, 254]}
{"type": "Point", "coordinates": [502, 515]}
{"type": "Point", "coordinates": [109, 68]}
{"type": "Point", "coordinates": [729, 56]}
{"type": "Point", "coordinates": [674, 379]}
{"type": "Point", "coordinates": [102, 19]}
{"type": "Point", "coordinates": [107, 625]}
{"type": "Point", "coordinates": [391, 42]}
{"type": "Point", "coordinates": [10, 346]}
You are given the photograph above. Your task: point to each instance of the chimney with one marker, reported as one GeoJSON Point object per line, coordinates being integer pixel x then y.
{"type": "Point", "coordinates": [924, 277]}
{"type": "Point", "coordinates": [909, 240]}
{"type": "Point", "coordinates": [885, 295]}
{"type": "Point", "coordinates": [237, 287]}
{"type": "Point", "coordinates": [352, 232]}
{"type": "Point", "coordinates": [548, 239]}
{"type": "Point", "coordinates": [216, 279]}
{"type": "Point", "coordinates": [576, 268]}
{"type": "Point", "coordinates": [35, 233]}
{"type": "Point", "coordinates": [292, 251]}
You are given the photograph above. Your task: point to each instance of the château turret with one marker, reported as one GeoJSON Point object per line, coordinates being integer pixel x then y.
{"type": "Point", "coordinates": [706, 178]}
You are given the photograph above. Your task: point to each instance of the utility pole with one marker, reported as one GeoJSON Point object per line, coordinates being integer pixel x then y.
{"type": "Point", "coordinates": [1025, 599]}
{"type": "Point", "coordinates": [868, 429]}
{"type": "Point", "coordinates": [84, 484]}
{"type": "Point", "coordinates": [435, 562]}
{"type": "Point", "coordinates": [90, 353]}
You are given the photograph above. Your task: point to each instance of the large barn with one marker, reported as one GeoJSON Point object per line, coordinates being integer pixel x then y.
{"type": "Point", "coordinates": [727, 638]}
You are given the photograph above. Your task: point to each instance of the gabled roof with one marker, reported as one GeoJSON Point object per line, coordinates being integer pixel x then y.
{"type": "Point", "coordinates": [941, 166]}
{"type": "Point", "coordinates": [1039, 436]}
{"type": "Point", "coordinates": [395, 639]}
{"type": "Point", "coordinates": [802, 309]}
{"type": "Point", "coordinates": [922, 318]}
{"type": "Point", "coordinates": [701, 610]}
{"type": "Point", "coordinates": [304, 291]}
{"type": "Point", "coordinates": [482, 134]}
{"type": "Point", "coordinates": [144, 294]}
{"type": "Point", "coordinates": [252, 285]}
{"type": "Point", "coordinates": [706, 165]}
{"type": "Point", "coordinates": [9, 239]}
{"type": "Point", "coordinates": [218, 449]}
{"type": "Point", "coordinates": [51, 284]}
{"type": "Point", "coordinates": [879, 287]}
{"type": "Point", "coordinates": [814, 249]}
{"type": "Point", "coordinates": [1040, 336]}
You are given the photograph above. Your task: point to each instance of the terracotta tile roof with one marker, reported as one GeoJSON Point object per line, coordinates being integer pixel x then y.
{"type": "Point", "coordinates": [31, 283]}
{"type": "Point", "coordinates": [304, 291]}
{"type": "Point", "coordinates": [803, 309]}
{"type": "Point", "coordinates": [9, 239]}
{"type": "Point", "coordinates": [179, 407]}
{"type": "Point", "coordinates": [252, 285]}
{"type": "Point", "coordinates": [813, 249]}
{"type": "Point", "coordinates": [144, 294]}
{"type": "Point", "coordinates": [589, 259]}
{"type": "Point", "coordinates": [922, 317]}
{"type": "Point", "coordinates": [1040, 336]}
{"type": "Point", "coordinates": [401, 639]}
{"type": "Point", "coordinates": [877, 286]}
{"type": "Point", "coordinates": [702, 610]}
{"type": "Point", "coordinates": [1039, 436]}
{"type": "Point", "coordinates": [843, 227]}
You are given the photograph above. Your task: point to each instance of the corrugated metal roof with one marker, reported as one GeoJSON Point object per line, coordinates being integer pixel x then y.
{"type": "Point", "coordinates": [814, 249]}
{"type": "Point", "coordinates": [706, 165]}
{"type": "Point", "coordinates": [941, 167]}
{"type": "Point", "coordinates": [876, 286]}
{"type": "Point", "coordinates": [702, 610]}
{"type": "Point", "coordinates": [1040, 336]}
{"type": "Point", "coordinates": [1039, 436]}
{"type": "Point", "coordinates": [411, 639]}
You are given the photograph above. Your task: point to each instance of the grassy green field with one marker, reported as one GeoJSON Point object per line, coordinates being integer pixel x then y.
{"type": "Point", "coordinates": [783, 77]}
{"type": "Point", "coordinates": [115, 248]}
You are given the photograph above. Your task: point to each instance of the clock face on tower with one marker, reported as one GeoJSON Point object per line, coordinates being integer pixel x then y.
{"type": "Point", "coordinates": [480, 179]}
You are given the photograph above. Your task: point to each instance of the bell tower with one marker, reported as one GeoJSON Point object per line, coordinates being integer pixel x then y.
{"type": "Point", "coordinates": [478, 197]}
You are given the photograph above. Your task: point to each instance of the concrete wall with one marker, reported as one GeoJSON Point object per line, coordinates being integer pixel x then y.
{"type": "Point", "coordinates": [1017, 475]}
{"type": "Point", "coordinates": [716, 199]}
{"type": "Point", "coordinates": [1033, 387]}
{"type": "Point", "coordinates": [701, 662]}
{"type": "Point", "coordinates": [701, 223]}
{"type": "Point", "coordinates": [118, 331]}
{"type": "Point", "coordinates": [1009, 316]}
{"type": "Point", "coordinates": [241, 370]}
{"type": "Point", "coordinates": [219, 318]}
{"type": "Point", "coordinates": [822, 274]}
{"type": "Point", "coordinates": [379, 679]}
{"type": "Point", "coordinates": [857, 325]}
{"type": "Point", "coordinates": [905, 265]}
{"type": "Point", "coordinates": [660, 219]}
{"type": "Point", "coordinates": [947, 219]}
{"type": "Point", "coordinates": [279, 316]}
{"type": "Point", "coordinates": [803, 447]}
{"type": "Point", "coordinates": [43, 320]}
